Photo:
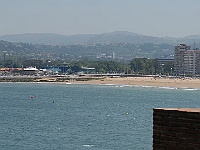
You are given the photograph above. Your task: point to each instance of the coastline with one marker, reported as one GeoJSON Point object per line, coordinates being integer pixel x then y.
{"type": "Point", "coordinates": [193, 83]}
{"type": "Point", "coordinates": [190, 83]}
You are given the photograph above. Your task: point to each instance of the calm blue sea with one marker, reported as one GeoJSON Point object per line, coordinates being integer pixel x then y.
{"type": "Point", "coordinates": [37, 116]}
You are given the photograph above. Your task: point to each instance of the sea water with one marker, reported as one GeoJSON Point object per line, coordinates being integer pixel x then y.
{"type": "Point", "coordinates": [37, 116]}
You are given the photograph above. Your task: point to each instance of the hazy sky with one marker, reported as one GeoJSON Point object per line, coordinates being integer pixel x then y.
{"type": "Point", "coordinates": [174, 18]}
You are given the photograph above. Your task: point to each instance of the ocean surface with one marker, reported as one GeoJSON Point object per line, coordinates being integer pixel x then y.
{"type": "Point", "coordinates": [38, 116]}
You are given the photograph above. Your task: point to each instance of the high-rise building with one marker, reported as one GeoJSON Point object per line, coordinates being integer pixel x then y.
{"type": "Point", "coordinates": [113, 55]}
{"type": "Point", "coordinates": [186, 61]}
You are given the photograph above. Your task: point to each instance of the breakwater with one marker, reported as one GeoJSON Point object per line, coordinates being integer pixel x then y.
{"type": "Point", "coordinates": [46, 79]}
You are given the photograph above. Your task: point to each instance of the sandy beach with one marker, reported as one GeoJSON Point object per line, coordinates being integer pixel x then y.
{"type": "Point", "coordinates": [193, 83]}
{"type": "Point", "coordinates": [147, 81]}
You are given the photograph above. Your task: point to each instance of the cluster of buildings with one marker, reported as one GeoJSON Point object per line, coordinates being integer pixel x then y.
{"type": "Point", "coordinates": [22, 71]}
{"type": "Point", "coordinates": [186, 63]}
{"type": "Point", "coordinates": [104, 55]}
{"type": "Point", "coordinates": [186, 60]}
{"type": "Point", "coordinates": [51, 70]}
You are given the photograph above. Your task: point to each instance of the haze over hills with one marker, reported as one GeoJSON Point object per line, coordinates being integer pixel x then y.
{"type": "Point", "coordinates": [104, 38]}
{"type": "Point", "coordinates": [117, 51]}
{"type": "Point", "coordinates": [48, 38]}
{"type": "Point", "coordinates": [119, 45]}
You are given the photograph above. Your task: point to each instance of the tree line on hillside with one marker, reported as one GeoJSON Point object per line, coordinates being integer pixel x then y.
{"type": "Point", "coordinates": [143, 66]}
{"type": "Point", "coordinates": [125, 51]}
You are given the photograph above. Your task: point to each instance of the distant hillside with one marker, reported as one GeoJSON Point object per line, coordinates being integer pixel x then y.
{"type": "Point", "coordinates": [104, 38]}
{"type": "Point", "coordinates": [48, 38]}
{"type": "Point", "coordinates": [125, 37]}
{"type": "Point", "coordinates": [119, 51]}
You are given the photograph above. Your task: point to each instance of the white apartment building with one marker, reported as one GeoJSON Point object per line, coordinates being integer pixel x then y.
{"type": "Point", "coordinates": [186, 61]}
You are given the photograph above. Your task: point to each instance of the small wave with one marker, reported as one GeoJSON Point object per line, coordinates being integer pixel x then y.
{"type": "Point", "coordinates": [108, 84]}
{"type": "Point", "coordinates": [191, 89]}
{"type": "Point", "coordinates": [68, 83]}
{"type": "Point", "coordinates": [119, 86]}
{"type": "Point", "coordinates": [123, 85]}
{"type": "Point", "coordinates": [169, 88]}
{"type": "Point", "coordinates": [147, 86]}
{"type": "Point", "coordinates": [88, 145]}
{"type": "Point", "coordinates": [126, 85]}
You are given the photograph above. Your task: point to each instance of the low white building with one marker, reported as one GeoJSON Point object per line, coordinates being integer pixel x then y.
{"type": "Point", "coordinates": [30, 71]}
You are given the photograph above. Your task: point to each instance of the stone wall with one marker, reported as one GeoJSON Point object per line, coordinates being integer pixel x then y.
{"type": "Point", "coordinates": [176, 129]}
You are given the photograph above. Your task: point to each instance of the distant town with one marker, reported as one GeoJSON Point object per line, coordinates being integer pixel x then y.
{"type": "Point", "coordinates": [186, 62]}
{"type": "Point", "coordinates": [113, 59]}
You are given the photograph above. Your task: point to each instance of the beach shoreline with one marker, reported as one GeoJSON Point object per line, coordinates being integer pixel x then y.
{"type": "Point", "coordinates": [193, 83]}
{"type": "Point", "coordinates": [171, 82]}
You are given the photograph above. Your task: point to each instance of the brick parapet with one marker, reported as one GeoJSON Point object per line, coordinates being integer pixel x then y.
{"type": "Point", "coordinates": [176, 128]}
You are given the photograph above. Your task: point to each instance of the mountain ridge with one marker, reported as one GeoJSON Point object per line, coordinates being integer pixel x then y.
{"type": "Point", "coordinates": [104, 38]}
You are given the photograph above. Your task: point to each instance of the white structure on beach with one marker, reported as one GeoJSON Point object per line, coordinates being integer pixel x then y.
{"type": "Point", "coordinates": [30, 70]}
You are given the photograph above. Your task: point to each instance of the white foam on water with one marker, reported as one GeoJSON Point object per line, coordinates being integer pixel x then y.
{"type": "Point", "coordinates": [169, 88]}
{"type": "Point", "coordinates": [126, 85]}
{"type": "Point", "coordinates": [191, 89]}
{"type": "Point", "coordinates": [68, 83]}
{"type": "Point", "coordinates": [87, 145]}
{"type": "Point", "coordinates": [108, 84]}
{"type": "Point", "coordinates": [147, 86]}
